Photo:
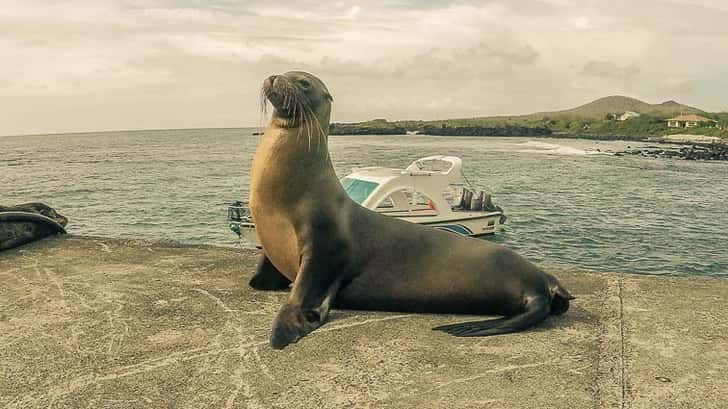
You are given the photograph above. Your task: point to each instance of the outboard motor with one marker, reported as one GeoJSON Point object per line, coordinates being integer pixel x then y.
{"type": "Point", "coordinates": [488, 202]}
{"type": "Point", "coordinates": [236, 211]}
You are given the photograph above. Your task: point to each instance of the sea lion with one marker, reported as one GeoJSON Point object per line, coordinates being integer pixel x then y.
{"type": "Point", "coordinates": [338, 253]}
{"type": "Point", "coordinates": [28, 222]}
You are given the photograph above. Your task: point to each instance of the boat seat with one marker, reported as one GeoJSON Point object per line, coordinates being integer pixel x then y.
{"type": "Point", "coordinates": [461, 201]}
{"type": "Point", "coordinates": [467, 198]}
{"type": "Point", "coordinates": [476, 202]}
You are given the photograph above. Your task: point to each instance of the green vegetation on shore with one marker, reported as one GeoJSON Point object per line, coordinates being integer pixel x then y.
{"type": "Point", "coordinates": [446, 129]}
{"type": "Point", "coordinates": [595, 120]}
{"type": "Point", "coordinates": [373, 127]}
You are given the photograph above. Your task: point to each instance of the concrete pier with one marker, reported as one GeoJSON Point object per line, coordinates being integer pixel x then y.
{"type": "Point", "coordinates": [89, 322]}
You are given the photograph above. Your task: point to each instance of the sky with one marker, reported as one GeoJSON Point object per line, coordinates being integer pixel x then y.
{"type": "Point", "coordinates": [91, 65]}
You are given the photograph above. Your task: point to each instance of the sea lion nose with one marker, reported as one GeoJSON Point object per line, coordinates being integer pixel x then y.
{"type": "Point", "coordinates": [272, 79]}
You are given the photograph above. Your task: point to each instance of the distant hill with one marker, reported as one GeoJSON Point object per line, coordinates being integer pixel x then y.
{"type": "Point", "coordinates": [595, 120]}
{"type": "Point", "coordinates": [617, 104]}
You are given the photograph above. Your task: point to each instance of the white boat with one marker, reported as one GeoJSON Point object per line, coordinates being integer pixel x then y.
{"type": "Point", "coordinates": [421, 193]}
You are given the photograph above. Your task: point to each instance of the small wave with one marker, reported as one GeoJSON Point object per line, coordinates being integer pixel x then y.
{"type": "Point", "coordinates": [549, 148]}
{"type": "Point", "coordinates": [560, 151]}
{"type": "Point", "coordinates": [555, 149]}
{"type": "Point", "coordinates": [539, 145]}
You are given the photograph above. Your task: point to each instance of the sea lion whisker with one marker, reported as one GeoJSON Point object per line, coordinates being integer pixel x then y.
{"type": "Point", "coordinates": [304, 125]}
{"type": "Point", "coordinates": [308, 131]}
{"type": "Point", "coordinates": [301, 122]}
{"type": "Point", "coordinates": [300, 117]}
{"type": "Point", "coordinates": [263, 105]}
{"type": "Point", "coordinates": [292, 93]}
{"type": "Point", "coordinates": [320, 136]}
{"type": "Point", "coordinates": [298, 113]}
{"type": "Point", "coordinates": [312, 130]}
{"type": "Point", "coordinates": [320, 133]}
{"type": "Point", "coordinates": [293, 114]}
{"type": "Point", "coordinates": [264, 108]}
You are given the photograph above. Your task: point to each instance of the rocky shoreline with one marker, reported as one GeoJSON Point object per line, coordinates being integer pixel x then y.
{"type": "Point", "coordinates": [714, 151]}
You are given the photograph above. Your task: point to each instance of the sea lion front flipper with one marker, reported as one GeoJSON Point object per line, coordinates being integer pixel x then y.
{"type": "Point", "coordinates": [267, 277]}
{"type": "Point", "coordinates": [314, 290]}
{"type": "Point", "coordinates": [295, 320]}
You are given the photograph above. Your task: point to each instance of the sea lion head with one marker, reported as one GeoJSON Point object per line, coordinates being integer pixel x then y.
{"type": "Point", "coordinates": [39, 208]}
{"type": "Point", "coordinates": [300, 100]}
{"type": "Point", "coordinates": [48, 212]}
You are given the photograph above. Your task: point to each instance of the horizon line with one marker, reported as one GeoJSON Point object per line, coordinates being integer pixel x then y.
{"type": "Point", "coordinates": [126, 130]}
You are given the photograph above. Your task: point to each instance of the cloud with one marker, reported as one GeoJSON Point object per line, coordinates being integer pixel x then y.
{"type": "Point", "coordinates": [119, 64]}
{"type": "Point", "coordinates": [609, 69]}
{"type": "Point", "coordinates": [581, 23]}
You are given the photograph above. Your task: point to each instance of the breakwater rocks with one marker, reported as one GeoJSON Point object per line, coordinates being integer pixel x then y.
{"type": "Point", "coordinates": [715, 151]}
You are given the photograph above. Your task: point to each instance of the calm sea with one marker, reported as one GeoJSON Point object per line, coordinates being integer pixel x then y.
{"type": "Point", "coordinates": [566, 208]}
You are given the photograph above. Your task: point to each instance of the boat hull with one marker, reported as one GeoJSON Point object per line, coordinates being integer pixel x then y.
{"type": "Point", "coordinates": [474, 226]}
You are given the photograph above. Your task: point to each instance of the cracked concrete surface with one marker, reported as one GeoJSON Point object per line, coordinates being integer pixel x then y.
{"type": "Point", "coordinates": [92, 322]}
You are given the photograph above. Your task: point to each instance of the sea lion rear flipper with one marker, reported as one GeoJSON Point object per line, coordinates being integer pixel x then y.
{"type": "Point", "coordinates": [537, 309]}
{"type": "Point", "coordinates": [267, 277]}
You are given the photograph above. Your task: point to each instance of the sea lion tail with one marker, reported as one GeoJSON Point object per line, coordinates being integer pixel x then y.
{"type": "Point", "coordinates": [537, 309]}
{"type": "Point", "coordinates": [559, 297]}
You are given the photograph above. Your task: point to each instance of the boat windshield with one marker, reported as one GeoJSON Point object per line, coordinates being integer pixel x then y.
{"type": "Point", "coordinates": [357, 189]}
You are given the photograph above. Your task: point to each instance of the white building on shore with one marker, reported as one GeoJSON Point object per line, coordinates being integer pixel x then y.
{"type": "Point", "coordinates": [628, 115]}
{"type": "Point", "coordinates": [690, 121]}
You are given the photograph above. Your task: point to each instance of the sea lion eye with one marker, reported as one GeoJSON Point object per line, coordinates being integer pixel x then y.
{"type": "Point", "coordinates": [304, 83]}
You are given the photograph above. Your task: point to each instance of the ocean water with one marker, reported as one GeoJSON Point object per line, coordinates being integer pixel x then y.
{"type": "Point", "coordinates": [568, 205]}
